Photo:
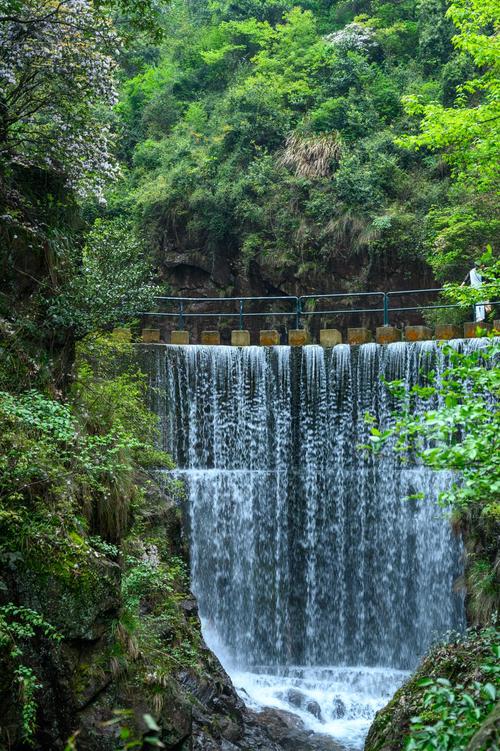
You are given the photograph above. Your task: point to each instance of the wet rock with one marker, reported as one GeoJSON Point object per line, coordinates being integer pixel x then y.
{"type": "Point", "coordinates": [277, 719]}
{"type": "Point", "coordinates": [294, 697]}
{"type": "Point", "coordinates": [230, 730]}
{"type": "Point", "coordinates": [313, 708]}
{"type": "Point", "coordinates": [297, 699]}
{"type": "Point", "coordinates": [338, 709]}
{"type": "Point", "coordinates": [321, 742]}
{"type": "Point", "coordinates": [289, 732]}
{"type": "Point", "coordinates": [189, 606]}
{"type": "Point", "coordinates": [228, 746]}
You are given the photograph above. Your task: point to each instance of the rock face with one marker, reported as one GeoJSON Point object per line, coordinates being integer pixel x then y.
{"type": "Point", "coordinates": [107, 676]}
{"type": "Point", "coordinates": [204, 274]}
{"type": "Point", "coordinates": [288, 731]}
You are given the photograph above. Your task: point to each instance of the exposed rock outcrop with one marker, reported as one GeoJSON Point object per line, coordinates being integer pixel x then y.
{"type": "Point", "coordinates": [110, 676]}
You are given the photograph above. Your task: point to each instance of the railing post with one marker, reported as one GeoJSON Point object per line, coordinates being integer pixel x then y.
{"type": "Point", "coordinates": [298, 312]}
{"type": "Point", "coordinates": [241, 315]}
{"type": "Point", "coordinates": [386, 309]}
{"type": "Point", "coordinates": [181, 315]}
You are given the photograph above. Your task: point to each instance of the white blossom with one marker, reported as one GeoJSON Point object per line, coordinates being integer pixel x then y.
{"type": "Point", "coordinates": [57, 71]}
{"type": "Point", "coordinates": [354, 36]}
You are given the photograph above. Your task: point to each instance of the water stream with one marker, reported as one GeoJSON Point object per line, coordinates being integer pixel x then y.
{"type": "Point", "coordinates": [318, 584]}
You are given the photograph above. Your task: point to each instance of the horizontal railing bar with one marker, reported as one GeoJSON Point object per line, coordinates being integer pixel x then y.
{"type": "Point", "coordinates": [342, 294]}
{"type": "Point", "coordinates": [227, 314]}
{"type": "Point", "coordinates": [414, 291]}
{"type": "Point", "coordinates": [453, 305]}
{"type": "Point", "coordinates": [348, 310]}
{"type": "Point", "coordinates": [227, 299]}
{"type": "Point", "coordinates": [298, 303]}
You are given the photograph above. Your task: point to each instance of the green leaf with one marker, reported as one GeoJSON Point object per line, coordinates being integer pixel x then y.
{"type": "Point", "coordinates": [490, 691]}
{"type": "Point", "coordinates": [425, 682]}
{"type": "Point", "coordinates": [151, 723]}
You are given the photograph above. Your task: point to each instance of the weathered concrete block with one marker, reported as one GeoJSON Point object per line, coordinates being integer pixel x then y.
{"type": "Point", "coordinates": [387, 334]}
{"type": "Point", "coordinates": [240, 338]}
{"type": "Point", "coordinates": [475, 328]}
{"type": "Point", "coordinates": [360, 335]}
{"type": "Point", "coordinates": [179, 337]}
{"type": "Point", "coordinates": [269, 338]}
{"type": "Point", "coordinates": [122, 334]}
{"type": "Point", "coordinates": [298, 337]}
{"type": "Point", "coordinates": [496, 326]}
{"type": "Point", "coordinates": [448, 331]}
{"type": "Point", "coordinates": [418, 333]}
{"type": "Point", "coordinates": [330, 337]}
{"type": "Point", "coordinates": [210, 337]}
{"type": "Point", "coordinates": [150, 335]}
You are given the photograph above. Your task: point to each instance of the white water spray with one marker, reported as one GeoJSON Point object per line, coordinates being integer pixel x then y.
{"type": "Point", "coordinates": [317, 583]}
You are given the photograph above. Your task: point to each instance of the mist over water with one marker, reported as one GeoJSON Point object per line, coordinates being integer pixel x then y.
{"type": "Point", "coordinates": [317, 583]}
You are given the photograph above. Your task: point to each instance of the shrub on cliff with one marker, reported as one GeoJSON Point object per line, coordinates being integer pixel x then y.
{"type": "Point", "coordinates": [69, 484]}
{"type": "Point", "coordinates": [449, 704]}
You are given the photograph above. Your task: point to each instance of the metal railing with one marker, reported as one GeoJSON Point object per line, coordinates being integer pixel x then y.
{"type": "Point", "coordinates": [302, 306]}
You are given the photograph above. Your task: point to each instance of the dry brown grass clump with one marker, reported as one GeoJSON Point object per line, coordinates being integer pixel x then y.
{"type": "Point", "coordinates": [312, 156]}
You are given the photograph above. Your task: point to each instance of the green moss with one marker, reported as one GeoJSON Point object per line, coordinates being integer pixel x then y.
{"type": "Point", "coordinates": [461, 662]}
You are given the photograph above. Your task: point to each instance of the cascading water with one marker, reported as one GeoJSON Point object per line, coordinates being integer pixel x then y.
{"type": "Point", "coordinates": [317, 583]}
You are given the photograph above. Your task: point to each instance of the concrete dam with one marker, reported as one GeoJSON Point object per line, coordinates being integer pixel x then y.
{"type": "Point", "coordinates": [322, 571]}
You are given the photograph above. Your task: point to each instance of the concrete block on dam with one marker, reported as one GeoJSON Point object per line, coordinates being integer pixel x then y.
{"type": "Point", "coordinates": [179, 337]}
{"type": "Point", "coordinates": [210, 337]}
{"type": "Point", "coordinates": [240, 338]}
{"type": "Point", "coordinates": [150, 336]}
{"type": "Point", "coordinates": [473, 329]}
{"type": "Point", "coordinates": [448, 331]}
{"type": "Point", "coordinates": [330, 337]}
{"type": "Point", "coordinates": [418, 333]}
{"type": "Point", "coordinates": [269, 338]}
{"type": "Point", "coordinates": [298, 337]}
{"type": "Point", "coordinates": [360, 335]}
{"type": "Point", "coordinates": [387, 334]}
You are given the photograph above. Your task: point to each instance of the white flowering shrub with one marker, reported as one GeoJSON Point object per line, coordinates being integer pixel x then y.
{"type": "Point", "coordinates": [354, 36]}
{"type": "Point", "coordinates": [57, 65]}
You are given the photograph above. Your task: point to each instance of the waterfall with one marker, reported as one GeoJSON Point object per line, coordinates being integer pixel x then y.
{"type": "Point", "coordinates": [314, 562]}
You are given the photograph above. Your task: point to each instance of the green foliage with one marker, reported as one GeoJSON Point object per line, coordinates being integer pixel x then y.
{"type": "Point", "coordinates": [445, 705]}
{"type": "Point", "coordinates": [451, 712]}
{"type": "Point", "coordinates": [461, 232]}
{"type": "Point", "coordinates": [112, 284]}
{"type": "Point", "coordinates": [72, 483]}
{"type": "Point", "coordinates": [224, 134]}
{"type": "Point", "coordinates": [157, 583]}
{"type": "Point", "coordinates": [62, 463]}
{"type": "Point", "coordinates": [18, 625]}
{"type": "Point", "coordinates": [466, 296]}
{"type": "Point", "coordinates": [469, 132]}
{"type": "Point", "coordinates": [123, 718]}
{"type": "Point", "coordinates": [461, 432]}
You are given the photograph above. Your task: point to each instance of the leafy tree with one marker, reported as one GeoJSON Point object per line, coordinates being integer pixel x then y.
{"type": "Point", "coordinates": [113, 283]}
{"type": "Point", "coordinates": [57, 63]}
{"type": "Point", "coordinates": [467, 135]}
{"type": "Point", "coordinates": [469, 132]}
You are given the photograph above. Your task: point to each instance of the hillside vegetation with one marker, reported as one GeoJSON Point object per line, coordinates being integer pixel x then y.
{"type": "Point", "coordinates": [272, 145]}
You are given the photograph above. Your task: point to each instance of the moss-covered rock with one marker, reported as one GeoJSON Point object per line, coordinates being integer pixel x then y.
{"type": "Point", "coordinates": [131, 651]}
{"type": "Point", "coordinates": [462, 663]}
